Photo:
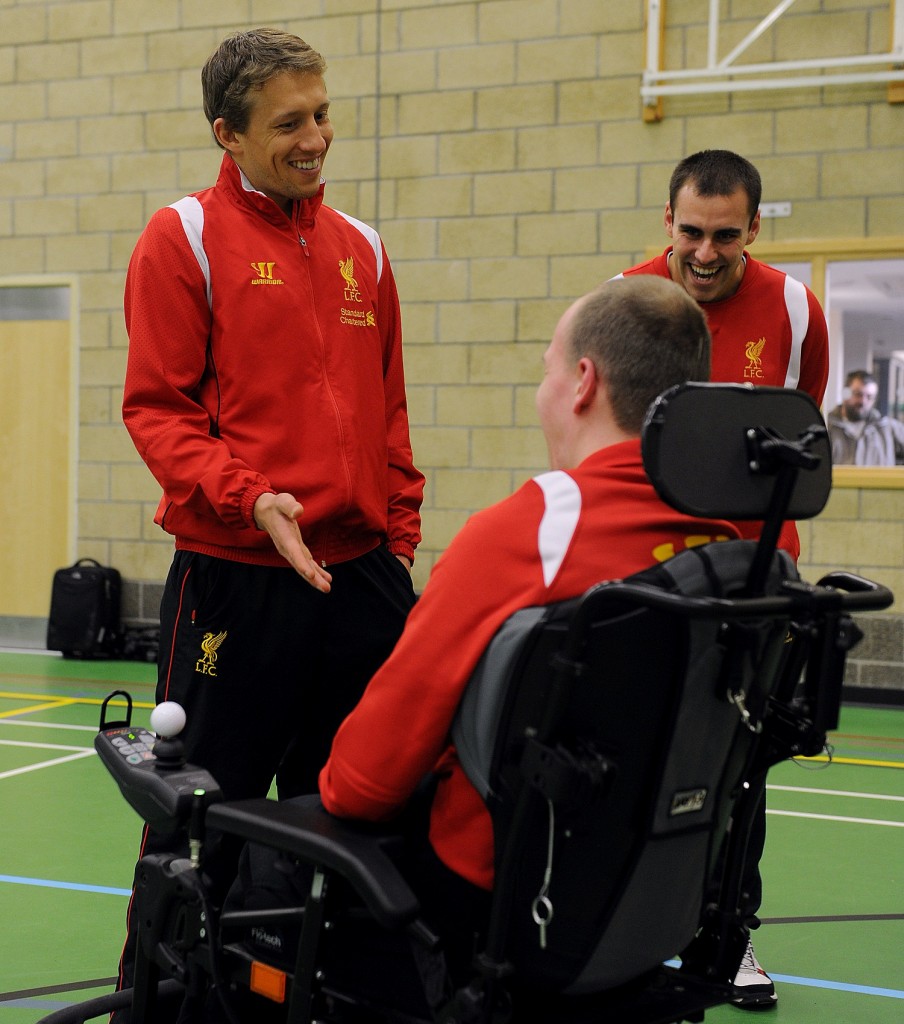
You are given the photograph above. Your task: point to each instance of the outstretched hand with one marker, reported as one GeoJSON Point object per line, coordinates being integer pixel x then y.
{"type": "Point", "coordinates": [278, 514]}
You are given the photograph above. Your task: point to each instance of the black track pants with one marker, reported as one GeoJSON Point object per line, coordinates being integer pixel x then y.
{"type": "Point", "coordinates": [266, 669]}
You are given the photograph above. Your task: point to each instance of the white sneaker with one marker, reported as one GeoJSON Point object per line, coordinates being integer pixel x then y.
{"type": "Point", "coordinates": [753, 986]}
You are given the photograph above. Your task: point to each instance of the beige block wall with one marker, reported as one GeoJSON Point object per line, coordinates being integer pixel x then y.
{"type": "Point", "coordinates": [500, 149]}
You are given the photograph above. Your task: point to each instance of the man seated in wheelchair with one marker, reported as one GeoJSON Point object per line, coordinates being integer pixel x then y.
{"type": "Point", "coordinates": [593, 516]}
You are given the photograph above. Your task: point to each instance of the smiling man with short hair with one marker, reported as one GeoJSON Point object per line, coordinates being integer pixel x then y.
{"type": "Point", "coordinates": [767, 328]}
{"type": "Point", "coordinates": [265, 392]}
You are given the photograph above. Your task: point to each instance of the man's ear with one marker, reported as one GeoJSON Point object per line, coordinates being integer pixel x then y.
{"type": "Point", "coordinates": [668, 219]}
{"type": "Point", "coordinates": [226, 136]}
{"type": "Point", "coordinates": [588, 384]}
{"type": "Point", "coordinates": [754, 228]}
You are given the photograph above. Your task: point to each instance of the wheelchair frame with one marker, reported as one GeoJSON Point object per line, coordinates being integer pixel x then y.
{"type": "Point", "coordinates": [181, 949]}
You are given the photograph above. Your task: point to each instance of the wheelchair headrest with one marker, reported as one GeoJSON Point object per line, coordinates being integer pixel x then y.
{"type": "Point", "coordinates": [718, 450]}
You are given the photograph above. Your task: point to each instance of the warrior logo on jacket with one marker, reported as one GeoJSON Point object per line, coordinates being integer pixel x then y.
{"type": "Point", "coordinates": [263, 274]}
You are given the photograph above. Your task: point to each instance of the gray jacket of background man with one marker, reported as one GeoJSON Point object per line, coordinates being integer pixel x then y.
{"type": "Point", "coordinates": [881, 442]}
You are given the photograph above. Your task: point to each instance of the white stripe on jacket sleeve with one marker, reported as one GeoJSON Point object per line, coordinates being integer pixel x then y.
{"type": "Point", "coordinates": [799, 316]}
{"type": "Point", "coordinates": [560, 520]}
{"type": "Point", "coordinates": [191, 213]}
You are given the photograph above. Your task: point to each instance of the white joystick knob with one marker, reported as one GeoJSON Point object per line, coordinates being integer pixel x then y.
{"type": "Point", "coordinates": [168, 719]}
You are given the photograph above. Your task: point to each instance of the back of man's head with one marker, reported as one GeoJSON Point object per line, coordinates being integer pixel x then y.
{"type": "Point", "coordinates": [644, 334]}
{"type": "Point", "coordinates": [245, 61]}
{"type": "Point", "coordinates": [717, 172]}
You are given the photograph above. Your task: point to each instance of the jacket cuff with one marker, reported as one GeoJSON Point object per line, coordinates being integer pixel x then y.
{"type": "Point", "coordinates": [249, 498]}
{"type": "Point", "coordinates": [401, 547]}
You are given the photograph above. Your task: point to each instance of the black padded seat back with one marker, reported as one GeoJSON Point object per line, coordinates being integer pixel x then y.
{"type": "Point", "coordinates": [707, 449]}
{"type": "Point", "coordinates": [660, 750]}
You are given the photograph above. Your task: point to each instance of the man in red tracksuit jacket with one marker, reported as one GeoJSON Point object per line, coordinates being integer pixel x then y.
{"type": "Point", "coordinates": [594, 516]}
{"type": "Point", "coordinates": [265, 392]}
{"type": "Point", "coordinates": [767, 329]}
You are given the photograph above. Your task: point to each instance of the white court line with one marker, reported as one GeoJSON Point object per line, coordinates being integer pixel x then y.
{"type": "Point", "coordinates": [836, 792]}
{"type": "Point", "coordinates": [42, 746]}
{"type": "Point", "coordinates": [45, 764]}
{"type": "Point", "coordinates": [837, 817]}
{"type": "Point", "coordinates": [31, 650]}
{"type": "Point", "coordinates": [47, 725]}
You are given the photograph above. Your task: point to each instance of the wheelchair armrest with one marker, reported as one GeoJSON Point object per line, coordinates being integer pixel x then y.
{"type": "Point", "coordinates": [354, 850]}
{"type": "Point", "coordinates": [860, 594]}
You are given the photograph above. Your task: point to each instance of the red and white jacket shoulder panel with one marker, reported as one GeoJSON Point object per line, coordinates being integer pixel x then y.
{"type": "Point", "coordinates": [561, 514]}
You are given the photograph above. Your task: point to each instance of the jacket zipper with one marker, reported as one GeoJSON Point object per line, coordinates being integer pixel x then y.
{"type": "Point", "coordinates": [304, 248]}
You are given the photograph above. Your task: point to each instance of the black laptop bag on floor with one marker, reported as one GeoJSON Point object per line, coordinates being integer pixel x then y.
{"type": "Point", "coordinates": [85, 610]}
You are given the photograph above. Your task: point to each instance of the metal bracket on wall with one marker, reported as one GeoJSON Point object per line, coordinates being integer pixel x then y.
{"type": "Point", "coordinates": [724, 76]}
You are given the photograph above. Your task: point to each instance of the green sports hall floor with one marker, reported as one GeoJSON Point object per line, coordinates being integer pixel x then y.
{"type": "Point", "coordinates": [833, 932]}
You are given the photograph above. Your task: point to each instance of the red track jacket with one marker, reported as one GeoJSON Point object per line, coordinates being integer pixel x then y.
{"type": "Point", "coordinates": [771, 331]}
{"type": "Point", "coordinates": [265, 354]}
{"type": "Point", "coordinates": [552, 539]}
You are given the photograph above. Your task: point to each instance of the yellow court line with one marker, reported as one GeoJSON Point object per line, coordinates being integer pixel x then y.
{"type": "Point", "coordinates": [862, 761]}
{"type": "Point", "coordinates": [45, 706]}
{"type": "Point", "coordinates": [60, 701]}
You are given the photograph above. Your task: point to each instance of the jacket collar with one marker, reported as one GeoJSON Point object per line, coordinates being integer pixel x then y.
{"type": "Point", "coordinates": [233, 179]}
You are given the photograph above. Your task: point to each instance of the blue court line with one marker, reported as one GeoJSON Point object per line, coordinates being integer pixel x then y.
{"type": "Point", "coordinates": [787, 979]}
{"type": "Point", "coordinates": [835, 986]}
{"type": "Point", "coordinates": [839, 986]}
{"type": "Point", "coordinates": [75, 886]}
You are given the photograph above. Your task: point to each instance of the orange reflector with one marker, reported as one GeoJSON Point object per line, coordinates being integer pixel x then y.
{"type": "Point", "coordinates": [268, 982]}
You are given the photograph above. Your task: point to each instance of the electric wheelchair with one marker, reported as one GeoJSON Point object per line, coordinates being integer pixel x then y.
{"type": "Point", "coordinates": [616, 739]}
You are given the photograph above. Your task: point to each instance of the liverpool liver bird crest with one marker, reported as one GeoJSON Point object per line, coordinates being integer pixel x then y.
{"type": "Point", "coordinates": [210, 644]}
{"type": "Point", "coordinates": [754, 350]}
{"type": "Point", "coordinates": [347, 269]}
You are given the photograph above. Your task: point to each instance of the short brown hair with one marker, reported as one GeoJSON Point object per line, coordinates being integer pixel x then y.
{"type": "Point", "coordinates": [644, 334]}
{"type": "Point", "coordinates": [717, 172]}
{"type": "Point", "coordinates": [243, 62]}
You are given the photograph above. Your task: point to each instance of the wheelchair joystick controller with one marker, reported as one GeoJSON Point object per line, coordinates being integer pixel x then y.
{"type": "Point", "coordinates": [167, 721]}
{"type": "Point", "coordinates": [151, 771]}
